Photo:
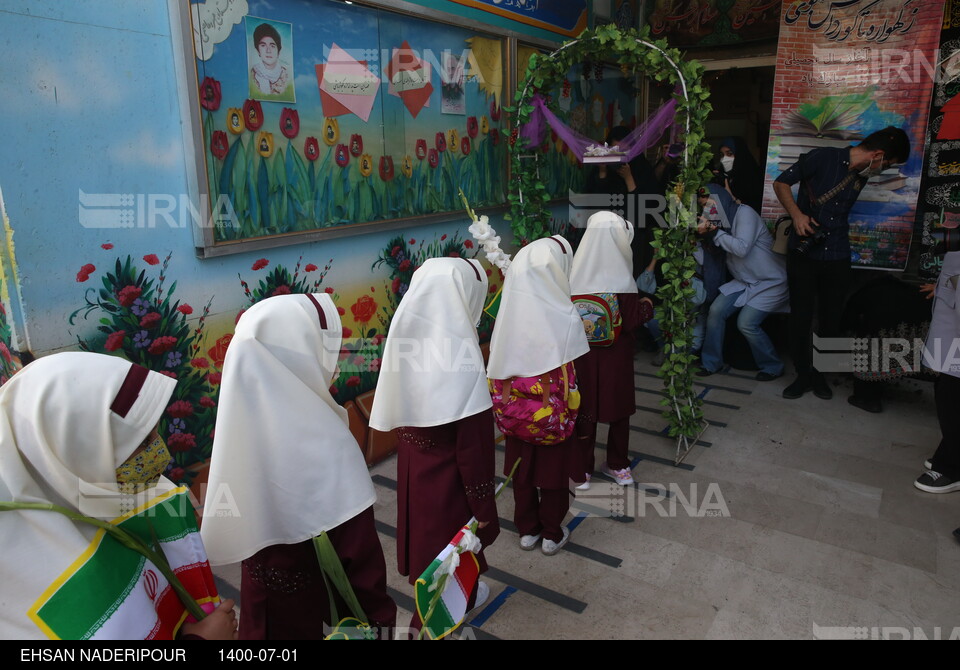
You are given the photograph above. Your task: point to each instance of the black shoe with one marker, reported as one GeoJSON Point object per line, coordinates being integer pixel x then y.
{"type": "Point", "coordinates": [703, 372]}
{"type": "Point", "coordinates": [821, 388]}
{"type": "Point", "coordinates": [799, 386]}
{"type": "Point", "coordinates": [872, 406]}
{"type": "Point", "coordinates": [936, 482]}
{"type": "Point", "coordinates": [767, 377]}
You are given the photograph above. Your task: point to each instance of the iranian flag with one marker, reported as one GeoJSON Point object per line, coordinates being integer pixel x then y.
{"type": "Point", "coordinates": [111, 592]}
{"type": "Point", "coordinates": [451, 608]}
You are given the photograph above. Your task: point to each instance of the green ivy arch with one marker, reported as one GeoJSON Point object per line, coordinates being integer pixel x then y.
{"type": "Point", "coordinates": [636, 53]}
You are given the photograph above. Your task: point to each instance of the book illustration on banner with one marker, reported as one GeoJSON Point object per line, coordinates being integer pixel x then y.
{"type": "Point", "coordinates": [827, 124]}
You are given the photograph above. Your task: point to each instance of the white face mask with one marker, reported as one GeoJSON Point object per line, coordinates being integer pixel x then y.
{"type": "Point", "coordinates": [871, 171]}
{"type": "Point", "coordinates": [727, 163]}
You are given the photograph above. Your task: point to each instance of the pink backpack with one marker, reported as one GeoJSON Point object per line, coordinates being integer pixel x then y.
{"type": "Point", "coordinates": [539, 410]}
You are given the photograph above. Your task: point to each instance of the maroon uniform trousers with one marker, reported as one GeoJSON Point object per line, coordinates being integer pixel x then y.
{"type": "Point", "coordinates": [541, 484]}
{"type": "Point", "coordinates": [282, 592]}
{"type": "Point", "coordinates": [605, 380]}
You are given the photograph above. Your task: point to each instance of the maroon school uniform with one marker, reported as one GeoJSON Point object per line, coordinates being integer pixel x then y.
{"type": "Point", "coordinates": [445, 476]}
{"type": "Point", "coordinates": [283, 593]}
{"type": "Point", "coordinates": [605, 380]}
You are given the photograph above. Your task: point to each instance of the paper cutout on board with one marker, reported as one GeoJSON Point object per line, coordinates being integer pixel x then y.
{"type": "Point", "coordinates": [486, 64]}
{"type": "Point", "coordinates": [349, 83]}
{"type": "Point", "coordinates": [453, 93]}
{"type": "Point", "coordinates": [409, 79]}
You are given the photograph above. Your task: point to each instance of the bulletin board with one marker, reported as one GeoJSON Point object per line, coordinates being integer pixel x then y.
{"type": "Point", "coordinates": [325, 119]}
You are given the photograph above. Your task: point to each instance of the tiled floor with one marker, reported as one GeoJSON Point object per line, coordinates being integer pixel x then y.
{"type": "Point", "coordinates": [797, 519]}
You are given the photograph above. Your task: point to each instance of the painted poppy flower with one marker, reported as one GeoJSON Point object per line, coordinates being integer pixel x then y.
{"type": "Point", "coordinates": [289, 123]}
{"type": "Point", "coordinates": [115, 340]}
{"type": "Point", "coordinates": [235, 121]}
{"type": "Point", "coordinates": [342, 155]}
{"type": "Point", "coordinates": [356, 145]}
{"type": "Point", "coordinates": [218, 144]}
{"type": "Point", "coordinates": [468, 244]}
{"type": "Point", "coordinates": [484, 124]}
{"type": "Point", "coordinates": [494, 110]}
{"type": "Point", "coordinates": [364, 309]}
{"type": "Point", "coordinates": [472, 127]}
{"type": "Point", "coordinates": [421, 149]}
{"type": "Point", "coordinates": [331, 132]}
{"type": "Point", "coordinates": [310, 268]}
{"type": "Point", "coordinates": [465, 146]}
{"type": "Point", "coordinates": [386, 168]}
{"type": "Point", "coordinates": [151, 259]}
{"type": "Point", "coordinates": [260, 264]}
{"type": "Point", "coordinates": [495, 136]}
{"type": "Point", "coordinates": [453, 139]}
{"type": "Point", "coordinates": [441, 142]}
{"type": "Point", "coordinates": [210, 94]}
{"type": "Point", "coordinates": [311, 149]}
{"type": "Point", "coordinates": [366, 165]}
{"type": "Point", "coordinates": [252, 114]}
{"type": "Point", "coordinates": [433, 157]}
{"type": "Point", "coordinates": [406, 166]}
{"type": "Point", "coordinates": [186, 310]}
{"type": "Point", "coordinates": [265, 143]}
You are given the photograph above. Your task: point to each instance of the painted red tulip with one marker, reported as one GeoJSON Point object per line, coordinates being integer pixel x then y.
{"type": "Point", "coordinates": [343, 156]}
{"type": "Point", "coordinates": [311, 149]}
{"type": "Point", "coordinates": [386, 168]}
{"type": "Point", "coordinates": [210, 94]}
{"type": "Point", "coordinates": [465, 146]}
{"type": "Point", "coordinates": [433, 156]}
{"type": "Point", "coordinates": [495, 136]}
{"type": "Point", "coordinates": [289, 123]}
{"type": "Point", "coordinates": [441, 142]}
{"type": "Point", "coordinates": [472, 126]}
{"type": "Point", "coordinates": [356, 145]}
{"type": "Point", "coordinates": [494, 110]}
{"type": "Point", "coordinates": [421, 149]}
{"type": "Point", "coordinates": [218, 144]}
{"type": "Point", "coordinates": [252, 114]}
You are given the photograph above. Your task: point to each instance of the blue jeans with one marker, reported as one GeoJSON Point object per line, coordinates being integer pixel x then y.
{"type": "Point", "coordinates": [749, 323]}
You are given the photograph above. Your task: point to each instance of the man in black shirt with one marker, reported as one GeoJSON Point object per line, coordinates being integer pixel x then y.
{"type": "Point", "coordinates": [818, 261]}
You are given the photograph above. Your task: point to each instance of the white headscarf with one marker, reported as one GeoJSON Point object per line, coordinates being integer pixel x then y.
{"type": "Point", "coordinates": [67, 421]}
{"type": "Point", "coordinates": [285, 466]}
{"type": "Point", "coordinates": [432, 371]}
{"type": "Point", "coordinates": [538, 329]}
{"type": "Point", "coordinates": [604, 260]}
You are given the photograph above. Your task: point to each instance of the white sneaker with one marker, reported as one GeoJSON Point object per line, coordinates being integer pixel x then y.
{"type": "Point", "coordinates": [529, 542]}
{"type": "Point", "coordinates": [622, 477]}
{"type": "Point", "coordinates": [549, 547]}
{"type": "Point", "coordinates": [586, 484]}
{"type": "Point", "coordinates": [483, 593]}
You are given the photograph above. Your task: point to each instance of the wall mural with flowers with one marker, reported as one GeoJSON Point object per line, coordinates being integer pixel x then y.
{"type": "Point", "coordinates": [130, 308]}
{"type": "Point", "coordinates": [370, 136]}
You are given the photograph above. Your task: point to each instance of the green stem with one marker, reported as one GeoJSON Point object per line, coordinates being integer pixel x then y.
{"type": "Point", "coordinates": [128, 540]}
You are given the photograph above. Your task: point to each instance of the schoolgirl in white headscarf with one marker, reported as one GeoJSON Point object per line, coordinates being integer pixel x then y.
{"type": "Point", "coordinates": [285, 468]}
